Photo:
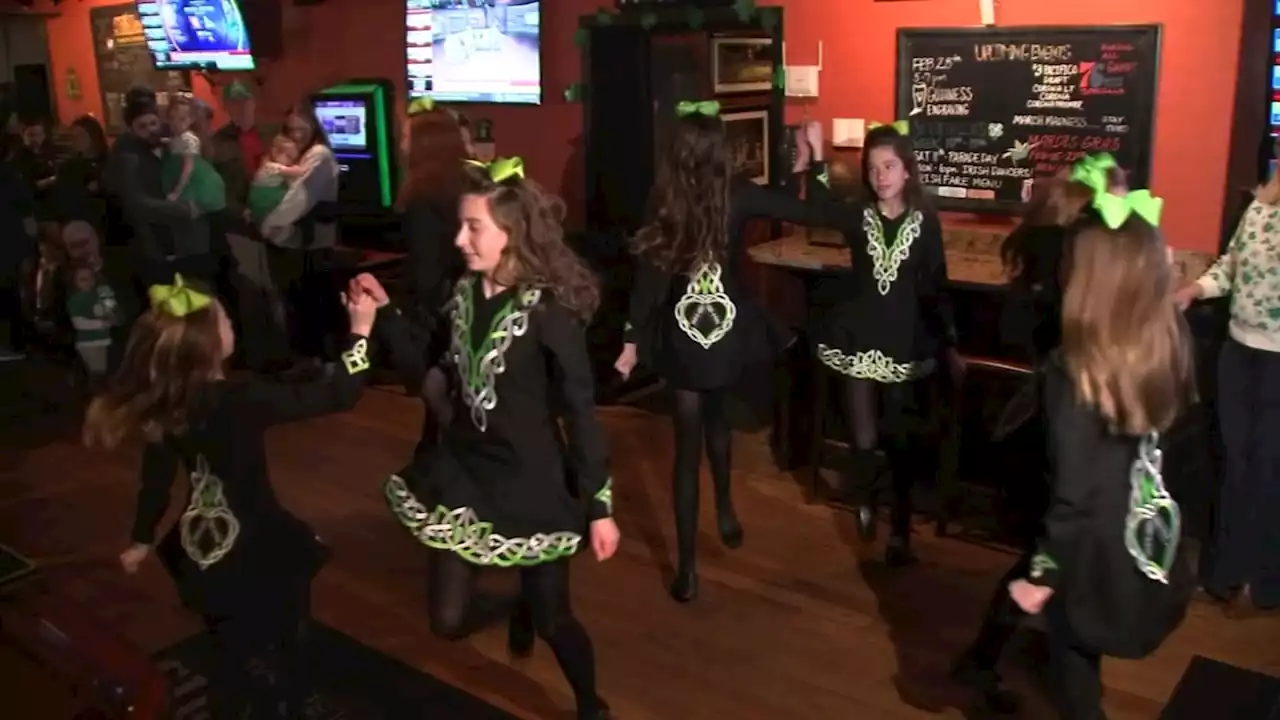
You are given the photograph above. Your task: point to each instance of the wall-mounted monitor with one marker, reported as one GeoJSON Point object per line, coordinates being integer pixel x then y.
{"type": "Point", "coordinates": [196, 34]}
{"type": "Point", "coordinates": [485, 51]}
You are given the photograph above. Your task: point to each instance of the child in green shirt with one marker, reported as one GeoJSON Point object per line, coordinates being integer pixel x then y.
{"type": "Point", "coordinates": [92, 307]}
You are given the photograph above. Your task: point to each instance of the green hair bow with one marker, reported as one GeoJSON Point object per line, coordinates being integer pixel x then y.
{"type": "Point", "coordinates": [501, 169]}
{"type": "Point", "coordinates": [1116, 210]}
{"type": "Point", "coordinates": [1091, 171]}
{"type": "Point", "coordinates": [420, 105]}
{"type": "Point", "coordinates": [177, 299]}
{"type": "Point", "coordinates": [709, 108]}
{"type": "Point", "coordinates": [902, 127]}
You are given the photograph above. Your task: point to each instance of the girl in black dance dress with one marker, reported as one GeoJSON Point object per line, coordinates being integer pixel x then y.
{"type": "Point", "coordinates": [237, 557]}
{"type": "Point", "coordinates": [1109, 572]}
{"type": "Point", "coordinates": [494, 491]}
{"type": "Point", "coordinates": [691, 317]}
{"type": "Point", "coordinates": [891, 324]}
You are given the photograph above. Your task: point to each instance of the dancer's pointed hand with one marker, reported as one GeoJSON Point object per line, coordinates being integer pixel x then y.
{"type": "Point", "coordinates": [626, 361]}
{"type": "Point", "coordinates": [604, 538]}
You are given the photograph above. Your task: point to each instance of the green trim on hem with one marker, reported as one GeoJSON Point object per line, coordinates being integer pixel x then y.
{"type": "Point", "coordinates": [462, 532]}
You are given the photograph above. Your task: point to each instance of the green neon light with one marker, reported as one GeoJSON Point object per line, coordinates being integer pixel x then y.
{"type": "Point", "coordinates": [380, 118]}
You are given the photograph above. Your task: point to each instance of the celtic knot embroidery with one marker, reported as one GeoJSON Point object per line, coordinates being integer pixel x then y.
{"type": "Point", "coordinates": [461, 531]}
{"type": "Point", "coordinates": [604, 495]}
{"type": "Point", "coordinates": [1153, 525]}
{"type": "Point", "coordinates": [208, 528]}
{"type": "Point", "coordinates": [887, 259]}
{"type": "Point", "coordinates": [479, 367]}
{"type": "Point", "coordinates": [356, 359]}
{"type": "Point", "coordinates": [868, 365]}
{"type": "Point", "coordinates": [705, 304]}
{"type": "Point", "coordinates": [1041, 564]}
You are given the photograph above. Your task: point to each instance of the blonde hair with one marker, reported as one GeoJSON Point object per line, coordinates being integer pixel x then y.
{"type": "Point", "coordinates": [1125, 343]}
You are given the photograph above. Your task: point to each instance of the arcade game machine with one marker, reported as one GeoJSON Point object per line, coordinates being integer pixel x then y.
{"type": "Point", "coordinates": [356, 116]}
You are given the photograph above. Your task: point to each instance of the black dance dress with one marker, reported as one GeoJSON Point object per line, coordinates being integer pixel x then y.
{"type": "Point", "coordinates": [699, 330]}
{"type": "Point", "coordinates": [892, 314]}
{"type": "Point", "coordinates": [494, 489]}
{"type": "Point", "coordinates": [1112, 542]}
{"type": "Point", "coordinates": [235, 548]}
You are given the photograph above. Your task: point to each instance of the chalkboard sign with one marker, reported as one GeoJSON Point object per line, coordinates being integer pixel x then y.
{"type": "Point", "coordinates": [992, 109]}
{"type": "Point", "coordinates": [120, 52]}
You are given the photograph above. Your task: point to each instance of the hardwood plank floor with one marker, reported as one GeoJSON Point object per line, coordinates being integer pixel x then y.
{"type": "Point", "coordinates": [800, 622]}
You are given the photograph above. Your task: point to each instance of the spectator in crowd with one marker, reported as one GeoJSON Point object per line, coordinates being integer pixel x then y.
{"type": "Point", "coordinates": [35, 160]}
{"type": "Point", "coordinates": [78, 191]}
{"type": "Point", "coordinates": [134, 166]}
{"type": "Point", "coordinates": [17, 252]}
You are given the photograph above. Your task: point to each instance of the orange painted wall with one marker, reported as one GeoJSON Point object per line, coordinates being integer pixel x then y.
{"type": "Point", "coordinates": [361, 38]}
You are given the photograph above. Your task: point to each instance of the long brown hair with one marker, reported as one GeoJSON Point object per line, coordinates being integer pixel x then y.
{"type": "Point", "coordinates": [536, 254]}
{"type": "Point", "coordinates": [167, 364]}
{"type": "Point", "coordinates": [1125, 344]}
{"type": "Point", "coordinates": [433, 163]}
{"type": "Point", "coordinates": [689, 203]}
{"type": "Point", "coordinates": [1056, 201]}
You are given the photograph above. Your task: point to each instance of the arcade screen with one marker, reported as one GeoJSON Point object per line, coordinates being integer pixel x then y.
{"type": "Point", "coordinates": [474, 50]}
{"type": "Point", "coordinates": [196, 34]}
{"type": "Point", "coordinates": [1275, 70]}
{"type": "Point", "coordinates": [345, 122]}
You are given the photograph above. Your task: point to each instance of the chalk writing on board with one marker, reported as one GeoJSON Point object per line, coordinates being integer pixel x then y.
{"type": "Point", "coordinates": [992, 110]}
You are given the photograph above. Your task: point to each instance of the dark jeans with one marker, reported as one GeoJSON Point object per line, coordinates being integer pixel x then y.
{"type": "Point", "coordinates": [305, 279]}
{"type": "Point", "coordinates": [14, 322]}
{"type": "Point", "coordinates": [1246, 536]}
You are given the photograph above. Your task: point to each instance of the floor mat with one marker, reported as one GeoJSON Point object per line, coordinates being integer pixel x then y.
{"type": "Point", "coordinates": [1212, 689]}
{"type": "Point", "coordinates": [351, 681]}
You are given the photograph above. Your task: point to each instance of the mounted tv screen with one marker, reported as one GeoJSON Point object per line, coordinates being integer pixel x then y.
{"type": "Point", "coordinates": [484, 51]}
{"type": "Point", "coordinates": [196, 34]}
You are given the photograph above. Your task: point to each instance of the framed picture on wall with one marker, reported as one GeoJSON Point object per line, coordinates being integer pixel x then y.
{"type": "Point", "coordinates": [741, 64]}
{"type": "Point", "coordinates": [747, 135]}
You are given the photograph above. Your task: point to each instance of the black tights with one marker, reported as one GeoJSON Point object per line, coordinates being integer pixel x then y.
{"type": "Point", "coordinates": [701, 420]}
{"type": "Point", "coordinates": [874, 412]}
{"type": "Point", "coordinates": [272, 637]}
{"type": "Point", "coordinates": [456, 610]}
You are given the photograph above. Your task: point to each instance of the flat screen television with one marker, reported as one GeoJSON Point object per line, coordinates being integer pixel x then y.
{"type": "Point", "coordinates": [484, 51]}
{"type": "Point", "coordinates": [196, 34]}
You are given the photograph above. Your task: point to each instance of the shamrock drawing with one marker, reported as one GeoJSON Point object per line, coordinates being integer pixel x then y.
{"type": "Point", "coordinates": [1019, 152]}
{"type": "Point", "coordinates": [995, 130]}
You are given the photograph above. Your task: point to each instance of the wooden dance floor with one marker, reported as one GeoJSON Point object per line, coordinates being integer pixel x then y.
{"type": "Point", "coordinates": [798, 623]}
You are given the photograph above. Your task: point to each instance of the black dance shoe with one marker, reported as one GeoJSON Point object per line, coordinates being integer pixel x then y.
{"type": "Point", "coordinates": [684, 588]}
{"type": "Point", "coordinates": [986, 683]}
{"type": "Point", "coordinates": [898, 554]}
{"type": "Point", "coordinates": [730, 529]}
{"type": "Point", "coordinates": [599, 712]}
{"type": "Point", "coordinates": [866, 517]}
{"type": "Point", "coordinates": [520, 631]}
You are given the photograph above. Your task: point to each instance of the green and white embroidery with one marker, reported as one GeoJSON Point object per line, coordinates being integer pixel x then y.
{"type": "Point", "coordinates": [886, 259]}
{"type": "Point", "coordinates": [1153, 526]}
{"type": "Point", "coordinates": [868, 365]}
{"type": "Point", "coordinates": [1041, 564]}
{"type": "Point", "coordinates": [356, 360]}
{"type": "Point", "coordinates": [705, 304]}
{"type": "Point", "coordinates": [479, 367]}
{"type": "Point", "coordinates": [208, 528]}
{"type": "Point", "coordinates": [461, 531]}
{"type": "Point", "coordinates": [604, 495]}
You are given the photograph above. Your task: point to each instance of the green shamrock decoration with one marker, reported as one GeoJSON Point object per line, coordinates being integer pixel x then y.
{"type": "Point", "coordinates": [746, 9]}
{"type": "Point", "coordinates": [695, 17]}
{"type": "Point", "coordinates": [604, 17]}
{"type": "Point", "coordinates": [648, 20]}
{"type": "Point", "coordinates": [573, 93]}
{"type": "Point", "coordinates": [581, 37]}
{"type": "Point", "coordinates": [769, 18]}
